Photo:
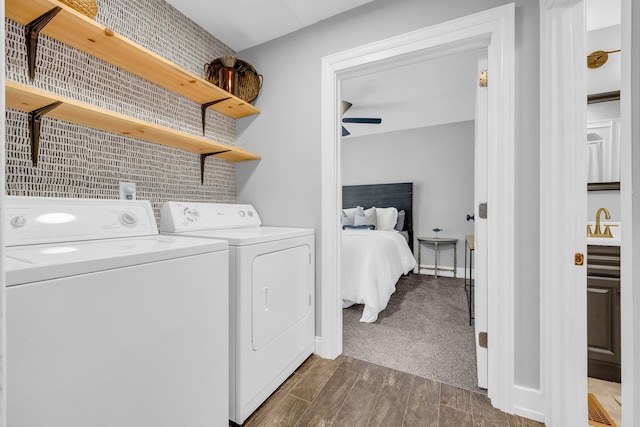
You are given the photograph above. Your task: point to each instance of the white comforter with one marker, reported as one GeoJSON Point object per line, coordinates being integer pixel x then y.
{"type": "Point", "coordinates": [372, 263]}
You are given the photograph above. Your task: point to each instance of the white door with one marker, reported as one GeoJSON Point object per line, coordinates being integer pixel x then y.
{"type": "Point", "coordinates": [480, 224]}
{"type": "Point", "coordinates": [280, 293]}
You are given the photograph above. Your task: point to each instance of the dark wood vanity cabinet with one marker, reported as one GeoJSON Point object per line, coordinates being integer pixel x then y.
{"type": "Point", "coordinates": [603, 312]}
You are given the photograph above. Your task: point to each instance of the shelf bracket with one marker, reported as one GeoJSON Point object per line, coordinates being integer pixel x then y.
{"type": "Point", "coordinates": [35, 118]}
{"type": "Point", "coordinates": [32, 30]}
{"type": "Point", "coordinates": [203, 157]}
{"type": "Point", "coordinates": [203, 110]}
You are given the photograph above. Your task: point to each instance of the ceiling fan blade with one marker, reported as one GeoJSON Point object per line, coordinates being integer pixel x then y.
{"type": "Point", "coordinates": [369, 120]}
{"type": "Point", "coordinates": [345, 106]}
{"type": "Point", "coordinates": [345, 132]}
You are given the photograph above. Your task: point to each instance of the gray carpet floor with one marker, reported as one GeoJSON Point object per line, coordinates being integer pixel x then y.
{"type": "Point", "coordinates": [423, 331]}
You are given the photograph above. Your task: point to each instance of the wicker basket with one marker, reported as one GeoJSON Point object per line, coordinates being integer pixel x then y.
{"type": "Point", "coordinates": [249, 81]}
{"type": "Point", "coordinates": [86, 7]}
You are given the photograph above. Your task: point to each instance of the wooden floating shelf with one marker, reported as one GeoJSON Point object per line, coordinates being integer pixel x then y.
{"type": "Point", "coordinates": [83, 33]}
{"type": "Point", "coordinates": [30, 99]}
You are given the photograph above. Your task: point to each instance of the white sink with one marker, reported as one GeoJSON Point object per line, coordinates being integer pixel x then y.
{"type": "Point", "coordinates": [605, 241]}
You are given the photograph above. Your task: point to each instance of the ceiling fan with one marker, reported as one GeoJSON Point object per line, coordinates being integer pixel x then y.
{"type": "Point", "coordinates": [370, 120]}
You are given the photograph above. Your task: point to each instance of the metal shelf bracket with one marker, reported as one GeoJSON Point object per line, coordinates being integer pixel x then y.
{"type": "Point", "coordinates": [203, 110]}
{"type": "Point", "coordinates": [203, 157]}
{"type": "Point", "coordinates": [35, 118]}
{"type": "Point", "coordinates": [32, 30]}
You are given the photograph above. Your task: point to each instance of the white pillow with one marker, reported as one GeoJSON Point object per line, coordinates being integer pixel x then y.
{"type": "Point", "coordinates": [347, 216]}
{"type": "Point", "coordinates": [365, 217]}
{"type": "Point", "coordinates": [386, 218]}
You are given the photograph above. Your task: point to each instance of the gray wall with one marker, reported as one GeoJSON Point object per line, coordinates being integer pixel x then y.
{"type": "Point", "coordinates": [285, 184]}
{"type": "Point", "coordinates": [439, 162]}
{"type": "Point", "coordinates": [78, 161]}
{"type": "Point", "coordinates": [527, 189]}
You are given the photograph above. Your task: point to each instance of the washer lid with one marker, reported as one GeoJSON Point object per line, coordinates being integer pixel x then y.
{"type": "Point", "coordinates": [26, 264]}
{"type": "Point", "coordinates": [252, 235]}
{"type": "Point", "coordinates": [37, 220]}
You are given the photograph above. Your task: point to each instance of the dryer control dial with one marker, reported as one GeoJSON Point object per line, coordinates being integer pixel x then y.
{"type": "Point", "coordinates": [241, 213]}
{"type": "Point", "coordinates": [191, 214]}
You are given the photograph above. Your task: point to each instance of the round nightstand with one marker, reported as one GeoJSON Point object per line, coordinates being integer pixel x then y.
{"type": "Point", "coordinates": [436, 242]}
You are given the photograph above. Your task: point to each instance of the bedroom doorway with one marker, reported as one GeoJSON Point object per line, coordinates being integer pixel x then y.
{"type": "Point", "coordinates": [494, 30]}
{"type": "Point", "coordinates": [408, 334]}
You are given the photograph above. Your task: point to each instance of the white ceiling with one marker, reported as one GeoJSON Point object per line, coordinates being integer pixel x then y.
{"type": "Point", "coordinates": [423, 94]}
{"type": "Point", "coordinates": [242, 24]}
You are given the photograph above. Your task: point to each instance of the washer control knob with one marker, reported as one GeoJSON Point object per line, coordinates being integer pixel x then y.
{"type": "Point", "coordinates": [241, 213]}
{"type": "Point", "coordinates": [128, 218]}
{"type": "Point", "coordinates": [18, 221]}
{"type": "Point", "coordinates": [191, 214]}
{"type": "Point", "coordinates": [250, 213]}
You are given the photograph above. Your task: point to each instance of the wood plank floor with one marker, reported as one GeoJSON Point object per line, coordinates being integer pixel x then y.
{"type": "Point", "coordinates": [355, 393]}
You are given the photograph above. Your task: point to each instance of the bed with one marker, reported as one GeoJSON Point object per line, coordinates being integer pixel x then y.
{"type": "Point", "coordinates": [372, 260]}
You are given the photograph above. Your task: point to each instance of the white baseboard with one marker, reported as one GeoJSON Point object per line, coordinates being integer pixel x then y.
{"type": "Point", "coordinates": [444, 273]}
{"type": "Point", "coordinates": [528, 403]}
{"type": "Point", "coordinates": [319, 349]}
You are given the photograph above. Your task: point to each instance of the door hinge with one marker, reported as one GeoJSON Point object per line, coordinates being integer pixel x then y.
{"type": "Point", "coordinates": [483, 339]}
{"type": "Point", "coordinates": [482, 210]}
{"type": "Point", "coordinates": [484, 78]}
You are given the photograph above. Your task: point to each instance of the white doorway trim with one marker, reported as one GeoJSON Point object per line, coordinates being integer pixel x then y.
{"type": "Point", "coordinates": [493, 29]}
{"type": "Point", "coordinates": [563, 297]}
{"type": "Point", "coordinates": [563, 211]}
{"type": "Point", "coordinates": [630, 213]}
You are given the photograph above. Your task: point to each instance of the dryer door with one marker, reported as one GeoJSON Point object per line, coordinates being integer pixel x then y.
{"type": "Point", "coordinates": [281, 291]}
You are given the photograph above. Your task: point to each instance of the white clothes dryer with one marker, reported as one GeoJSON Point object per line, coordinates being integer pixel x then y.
{"type": "Point", "coordinates": [271, 278]}
{"type": "Point", "coordinates": [110, 323]}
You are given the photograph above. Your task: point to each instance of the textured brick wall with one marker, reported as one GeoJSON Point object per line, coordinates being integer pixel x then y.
{"type": "Point", "coordinates": [77, 161]}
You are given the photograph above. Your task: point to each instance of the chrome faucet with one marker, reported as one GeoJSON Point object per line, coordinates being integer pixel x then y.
{"type": "Point", "coordinates": [598, 231]}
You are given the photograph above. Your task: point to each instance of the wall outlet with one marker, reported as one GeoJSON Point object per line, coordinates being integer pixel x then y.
{"type": "Point", "coordinates": [127, 190]}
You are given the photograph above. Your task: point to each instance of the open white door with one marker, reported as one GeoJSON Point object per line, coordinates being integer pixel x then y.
{"type": "Point", "coordinates": [480, 225]}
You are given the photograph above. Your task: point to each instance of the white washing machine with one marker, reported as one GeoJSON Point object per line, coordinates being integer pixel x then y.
{"type": "Point", "coordinates": [110, 323]}
{"type": "Point", "coordinates": [271, 276]}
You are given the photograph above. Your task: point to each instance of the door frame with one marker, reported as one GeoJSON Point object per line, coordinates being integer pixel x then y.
{"type": "Point", "coordinates": [493, 29]}
{"type": "Point", "coordinates": [480, 189]}
{"type": "Point", "coordinates": [630, 183]}
{"type": "Point", "coordinates": [563, 211]}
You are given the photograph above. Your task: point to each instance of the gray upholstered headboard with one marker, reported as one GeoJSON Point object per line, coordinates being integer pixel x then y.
{"type": "Point", "coordinates": [398, 195]}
